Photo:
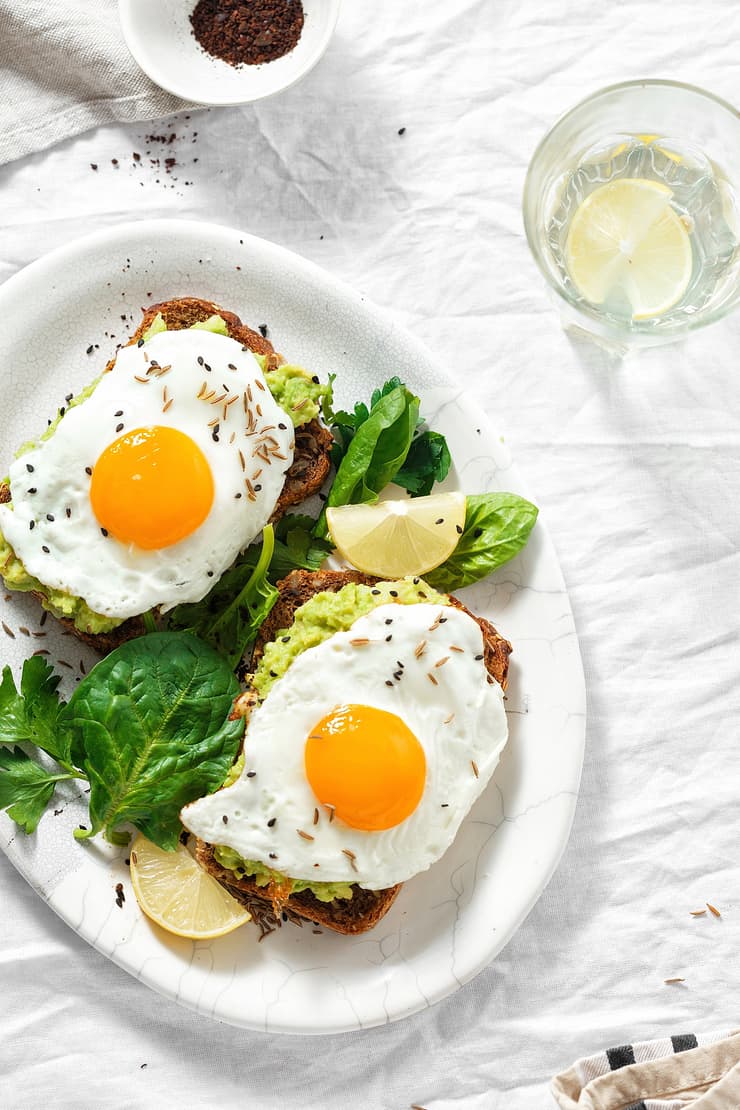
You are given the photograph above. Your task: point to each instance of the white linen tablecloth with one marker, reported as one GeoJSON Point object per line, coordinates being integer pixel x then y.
{"type": "Point", "coordinates": [636, 467]}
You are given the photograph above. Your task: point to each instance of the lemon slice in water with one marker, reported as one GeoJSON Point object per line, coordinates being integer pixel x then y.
{"type": "Point", "coordinates": [397, 538]}
{"type": "Point", "coordinates": [627, 243]}
{"type": "Point", "coordinates": [175, 892]}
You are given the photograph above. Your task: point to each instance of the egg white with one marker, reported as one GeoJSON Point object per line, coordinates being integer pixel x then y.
{"type": "Point", "coordinates": [273, 783]}
{"type": "Point", "coordinates": [50, 487]}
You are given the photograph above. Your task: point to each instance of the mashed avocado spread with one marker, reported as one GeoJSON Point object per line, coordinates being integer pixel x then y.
{"type": "Point", "coordinates": [293, 389]}
{"type": "Point", "coordinates": [315, 621]}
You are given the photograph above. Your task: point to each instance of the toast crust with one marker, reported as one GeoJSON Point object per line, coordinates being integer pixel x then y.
{"type": "Point", "coordinates": [366, 907]}
{"type": "Point", "coordinates": [307, 472]}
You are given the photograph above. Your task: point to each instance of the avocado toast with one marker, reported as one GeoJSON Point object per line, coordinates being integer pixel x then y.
{"type": "Point", "coordinates": [269, 894]}
{"type": "Point", "coordinates": [306, 473]}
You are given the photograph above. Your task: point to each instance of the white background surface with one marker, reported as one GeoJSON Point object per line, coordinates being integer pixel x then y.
{"type": "Point", "coordinates": [636, 468]}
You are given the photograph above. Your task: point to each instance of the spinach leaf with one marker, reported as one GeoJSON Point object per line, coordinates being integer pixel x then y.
{"type": "Point", "coordinates": [153, 718]}
{"type": "Point", "coordinates": [377, 449]}
{"type": "Point", "coordinates": [229, 617]}
{"type": "Point", "coordinates": [25, 787]}
{"type": "Point", "coordinates": [33, 714]}
{"type": "Point", "coordinates": [497, 526]}
{"type": "Point", "coordinates": [427, 462]}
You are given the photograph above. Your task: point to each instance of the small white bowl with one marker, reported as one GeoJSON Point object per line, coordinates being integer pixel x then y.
{"type": "Point", "coordinates": [159, 35]}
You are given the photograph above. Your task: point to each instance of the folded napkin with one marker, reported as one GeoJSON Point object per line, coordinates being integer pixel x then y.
{"type": "Point", "coordinates": [701, 1072]}
{"type": "Point", "coordinates": [64, 68]}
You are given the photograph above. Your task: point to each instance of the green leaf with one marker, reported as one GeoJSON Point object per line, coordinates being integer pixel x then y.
{"type": "Point", "coordinates": [427, 462]}
{"type": "Point", "coordinates": [33, 714]}
{"type": "Point", "coordinates": [229, 617]}
{"type": "Point", "coordinates": [377, 449]}
{"type": "Point", "coordinates": [497, 526]}
{"type": "Point", "coordinates": [154, 721]}
{"type": "Point", "coordinates": [43, 708]}
{"type": "Point", "coordinates": [25, 787]}
{"type": "Point", "coordinates": [14, 723]}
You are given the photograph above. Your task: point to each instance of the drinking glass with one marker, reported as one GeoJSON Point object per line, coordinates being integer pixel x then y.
{"type": "Point", "coordinates": [662, 147]}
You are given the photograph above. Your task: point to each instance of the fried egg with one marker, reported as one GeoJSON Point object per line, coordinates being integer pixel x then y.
{"type": "Point", "coordinates": [147, 491]}
{"type": "Point", "coordinates": [366, 755]}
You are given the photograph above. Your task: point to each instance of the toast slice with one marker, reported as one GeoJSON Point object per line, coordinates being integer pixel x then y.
{"type": "Point", "coordinates": [366, 907]}
{"type": "Point", "coordinates": [313, 440]}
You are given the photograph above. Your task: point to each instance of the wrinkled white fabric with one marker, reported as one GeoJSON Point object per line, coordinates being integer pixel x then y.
{"type": "Point", "coordinates": [636, 467]}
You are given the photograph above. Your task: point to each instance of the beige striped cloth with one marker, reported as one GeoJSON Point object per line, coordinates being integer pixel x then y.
{"type": "Point", "coordinates": [697, 1071]}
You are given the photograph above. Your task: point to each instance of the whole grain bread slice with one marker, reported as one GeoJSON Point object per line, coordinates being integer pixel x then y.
{"type": "Point", "coordinates": [365, 908]}
{"type": "Point", "coordinates": [305, 476]}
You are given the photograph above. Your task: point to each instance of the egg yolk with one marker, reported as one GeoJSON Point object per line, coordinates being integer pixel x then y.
{"type": "Point", "coordinates": [367, 765]}
{"type": "Point", "coordinates": [151, 487]}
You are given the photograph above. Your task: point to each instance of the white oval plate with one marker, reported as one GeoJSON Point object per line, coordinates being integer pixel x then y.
{"type": "Point", "coordinates": [447, 923]}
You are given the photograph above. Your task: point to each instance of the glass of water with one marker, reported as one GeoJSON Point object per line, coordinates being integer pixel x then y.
{"type": "Point", "coordinates": [631, 211]}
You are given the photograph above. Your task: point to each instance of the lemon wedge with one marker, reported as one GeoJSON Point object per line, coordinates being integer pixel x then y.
{"type": "Point", "coordinates": [398, 538]}
{"type": "Point", "coordinates": [175, 892]}
{"type": "Point", "coordinates": [625, 241]}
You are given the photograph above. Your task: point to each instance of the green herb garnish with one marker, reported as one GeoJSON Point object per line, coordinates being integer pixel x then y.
{"type": "Point", "coordinates": [148, 728]}
{"type": "Point", "coordinates": [497, 526]}
{"type": "Point", "coordinates": [229, 617]}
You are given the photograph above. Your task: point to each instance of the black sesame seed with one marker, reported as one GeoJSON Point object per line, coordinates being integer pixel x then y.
{"type": "Point", "coordinates": [237, 496]}
{"type": "Point", "coordinates": [31, 525]}
{"type": "Point", "coordinates": [389, 620]}
{"type": "Point", "coordinates": [200, 360]}
{"type": "Point", "coordinates": [225, 819]}
{"type": "Point", "coordinates": [68, 512]}
{"type": "Point", "coordinates": [119, 413]}
{"type": "Point", "coordinates": [69, 397]}
{"type": "Point", "coordinates": [443, 620]}
{"type": "Point", "coordinates": [140, 343]}
{"type": "Point", "coordinates": [210, 573]}
{"type": "Point", "coordinates": [271, 822]}
{"type": "Point", "coordinates": [119, 427]}
{"type": "Point", "coordinates": [50, 518]}
{"type": "Point", "coordinates": [45, 549]}
{"type": "Point", "coordinates": [88, 470]}
{"type": "Point", "coordinates": [375, 592]}
{"type": "Point", "coordinates": [388, 682]}
{"type": "Point", "coordinates": [458, 529]}
{"type": "Point", "coordinates": [273, 855]}
{"type": "Point", "coordinates": [393, 593]}
{"type": "Point", "coordinates": [258, 487]}
{"type": "Point", "coordinates": [273, 674]}
{"type": "Point", "coordinates": [478, 658]}
{"type": "Point", "coordinates": [251, 774]}
{"type": "Point", "coordinates": [29, 468]}
{"type": "Point", "coordinates": [90, 350]}
{"type": "Point", "coordinates": [440, 521]}
{"type": "Point", "coordinates": [206, 367]}
{"type": "Point", "coordinates": [398, 675]}
{"type": "Point", "coordinates": [62, 411]}
{"type": "Point", "coordinates": [285, 639]}
{"type": "Point", "coordinates": [263, 330]}
{"type": "Point", "coordinates": [477, 533]}
{"type": "Point", "coordinates": [315, 379]}
{"type": "Point", "coordinates": [389, 637]}
{"type": "Point", "coordinates": [231, 367]}
{"type": "Point", "coordinates": [282, 427]}
{"type": "Point", "coordinates": [400, 664]}
{"type": "Point", "coordinates": [415, 581]}
{"type": "Point", "coordinates": [104, 531]}
{"type": "Point", "coordinates": [444, 805]}
{"type": "Point", "coordinates": [32, 489]}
